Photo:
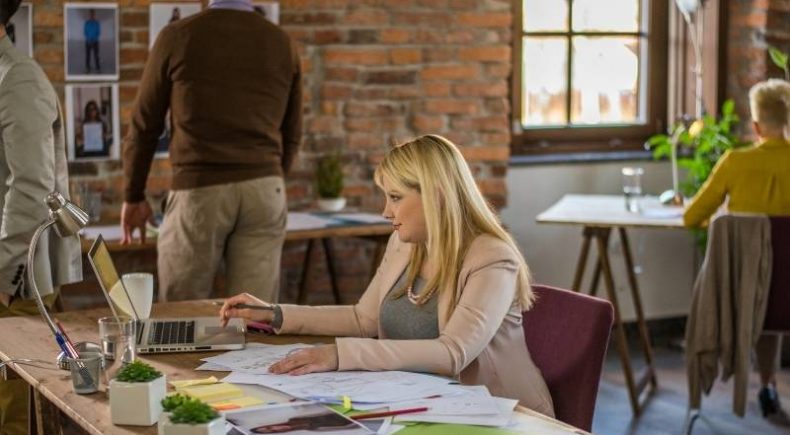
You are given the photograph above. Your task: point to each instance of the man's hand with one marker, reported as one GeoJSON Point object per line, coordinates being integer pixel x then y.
{"type": "Point", "coordinates": [135, 215]}
{"type": "Point", "coordinates": [5, 299]}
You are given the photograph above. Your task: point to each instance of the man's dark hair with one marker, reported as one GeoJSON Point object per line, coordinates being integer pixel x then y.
{"type": "Point", "coordinates": [7, 9]}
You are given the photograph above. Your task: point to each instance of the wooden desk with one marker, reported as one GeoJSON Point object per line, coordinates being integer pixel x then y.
{"type": "Point", "coordinates": [53, 397]}
{"type": "Point", "coordinates": [378, 233]}
{"type": "Point", "coordinates": [599, 215]}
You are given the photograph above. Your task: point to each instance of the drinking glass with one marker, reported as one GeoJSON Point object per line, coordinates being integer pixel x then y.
{"type": "Point", "coordinates": [118, 339]}
{"type": "Point", "coordinates": [632, 187]}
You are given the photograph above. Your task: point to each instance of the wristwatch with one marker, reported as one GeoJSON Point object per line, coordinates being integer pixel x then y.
{"type": "Point", "coordinates": [277, 322]}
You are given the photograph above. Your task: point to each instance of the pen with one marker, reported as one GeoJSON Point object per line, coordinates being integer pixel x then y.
{"type": "Point", "coordinates": [247, 306]}
{"type": "Point", "coordinates": [69, 343]}
{"type": "Point", "coordinates": [388, 413]}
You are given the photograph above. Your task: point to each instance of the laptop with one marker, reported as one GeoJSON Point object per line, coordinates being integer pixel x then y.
{"type": "Point", "coordinates": [158, 335]}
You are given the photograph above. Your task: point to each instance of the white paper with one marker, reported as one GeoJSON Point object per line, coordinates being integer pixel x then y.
{"type": "Point", "coordinates": [522, 422]}
{"type": "Point", "coordinates": [361, 387]}
{"type": "Point", "coordinates": [108, 232]}
{"type": "Point", "coordinates": [306, 221]}
{"type": "Point", "coordinates": [501, 418]}
{"type": "Point", "coordinates": [93, 136]}
{"type": "Point", "coordinates": [665, 212]}
{"type": "Point", "coordinates": [256, 358]}
{"type": "Point", "coordinates": [458, 405]}
{"type": "Point", "coordinates": [365, 218]}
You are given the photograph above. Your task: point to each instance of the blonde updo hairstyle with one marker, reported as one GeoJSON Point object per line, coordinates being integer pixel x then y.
{"type": "Point", "coordinates": [455, 213]}
{"type": "Point", "coordinates": [769, 102]}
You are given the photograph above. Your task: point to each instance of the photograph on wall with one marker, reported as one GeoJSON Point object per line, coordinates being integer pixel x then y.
{"type": "Point", "coordinates": [20, 29]}
{"type": "Point", "coordinates": [162, 14]}
{"type": "Point", "coordinates": [92, 121]}
{"type": "Point", "coordinates": [270, 10]}
{"type": "Point", "coordinates": [91, 41]}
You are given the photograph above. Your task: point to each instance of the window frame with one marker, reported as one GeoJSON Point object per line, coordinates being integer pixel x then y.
{"type": "Point", "coordinates": [605, 138]}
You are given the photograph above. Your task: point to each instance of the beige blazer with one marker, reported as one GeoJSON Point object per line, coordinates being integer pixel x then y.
{"type": "Point", "coordinates": [32, 164]}
{"type": "Point", "coordinates": [481, 340]}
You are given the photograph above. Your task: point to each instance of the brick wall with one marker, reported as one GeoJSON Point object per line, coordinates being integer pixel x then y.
{"type": "Point", "coordinates": [376, 72]}
{"type": "Point", "coordinates": [753, 25]}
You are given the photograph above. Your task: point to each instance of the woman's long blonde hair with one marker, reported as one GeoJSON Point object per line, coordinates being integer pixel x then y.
{"type": "Point", "coordinates": [455, 213]}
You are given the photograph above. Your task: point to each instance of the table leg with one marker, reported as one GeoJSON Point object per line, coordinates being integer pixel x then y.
{"type": "Point", "coordinates": [330, 267]}
{"type": "Point", "coordinates": [378, 254]}
{"type": "Point", "coordinates": [640, 315]}
{"type": "Point", "coordinates": [622, 342]}
{"type": "Point", "coordinates": [582, 263]}
{"type": "Point", "coordinates": [596, 278]}
{"type": "Point", "coordinates": [47, 415]}
{"type": "Point", "coordinates": [301, 298]}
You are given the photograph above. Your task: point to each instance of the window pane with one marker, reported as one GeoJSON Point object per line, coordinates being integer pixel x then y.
{"type": "Point", "coordinates": [615, 16]}
{"type": "Point", "coordinates": [544, 86]}
{"type": "Point", "coordinates": [606, 75]}
{"type": "Point", "coordinates": [545, 15]}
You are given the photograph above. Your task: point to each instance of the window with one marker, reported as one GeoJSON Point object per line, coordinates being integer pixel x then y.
{"type": "Point", "coordinates": [588, 75]}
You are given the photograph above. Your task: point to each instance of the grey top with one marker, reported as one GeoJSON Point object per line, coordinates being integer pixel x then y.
{"type": "Point", "coordinates": [402, 320]}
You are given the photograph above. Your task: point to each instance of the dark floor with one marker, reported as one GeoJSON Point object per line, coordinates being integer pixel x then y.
{"type": "Point", "coordinates": [665, 411]}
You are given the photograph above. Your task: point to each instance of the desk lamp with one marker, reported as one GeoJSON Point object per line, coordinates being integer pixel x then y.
{"type": "Point", "coordinates": [68, 219]}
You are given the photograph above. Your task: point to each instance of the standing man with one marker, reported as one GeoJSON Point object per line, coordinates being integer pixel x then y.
{"type": "Point", "coordinates": [32, 164]}
{"type": "Point", "coordinates": [92, 32]}
{"type": "Point", "coordinates": [232, 82]}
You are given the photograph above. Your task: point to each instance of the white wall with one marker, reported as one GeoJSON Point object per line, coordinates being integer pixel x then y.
{"type": "Point", "coordinates": [664, 259]}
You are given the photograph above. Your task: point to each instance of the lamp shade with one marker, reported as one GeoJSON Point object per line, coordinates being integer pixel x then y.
{"type": "Point", "coordinates": [688, 6]}
{"type": "Point", "coordinates": [69, 219]}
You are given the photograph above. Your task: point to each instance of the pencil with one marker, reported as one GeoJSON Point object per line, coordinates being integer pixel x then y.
{"type": "Point", "coordinates": [247, 306]}
{"type": "Point", "coordinates": [388, 413]}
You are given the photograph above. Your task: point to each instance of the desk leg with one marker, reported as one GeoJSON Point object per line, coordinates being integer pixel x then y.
{"type": "Point", "coordinates": [582, 263]}
{"type": "Point", "coordinates": [301, 298]}
{"type": "Point", "coordinates": [330, 267]}
{"type": "Point", "coordinates": [47, 415]}
{"type": "Point", "coordinates": [640, 315]}
{"type": "Point", "coordinates": [622, 342]}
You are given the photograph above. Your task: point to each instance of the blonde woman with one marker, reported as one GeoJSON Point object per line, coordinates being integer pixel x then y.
{"type": "Point", "coordinates": [447, 297]}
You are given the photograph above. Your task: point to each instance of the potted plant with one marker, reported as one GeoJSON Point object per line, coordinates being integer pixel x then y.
{"type": "Point", "coordinates": [136, 394]}
{"type": "Point", "coordinates": [329, 183]}
{"type": "Point", "coordinates": [188, 416]}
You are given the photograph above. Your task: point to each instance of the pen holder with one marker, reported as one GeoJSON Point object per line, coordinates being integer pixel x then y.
{"type": "Point", "coordinates": [82, 346]}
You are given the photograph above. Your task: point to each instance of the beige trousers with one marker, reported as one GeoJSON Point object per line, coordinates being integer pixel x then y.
{"type": "Point", "coordinates": [242, 223]}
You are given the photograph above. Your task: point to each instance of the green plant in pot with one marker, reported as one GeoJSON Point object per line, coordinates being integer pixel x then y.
{"type": "Point", "coordinates": [698, 147]}
{"type": "Point", "coordinates": [136, 393]}
{"type": "Point", "coordinates": [329, 183]}
{"type": "Point", "coordinates": [189, 416]}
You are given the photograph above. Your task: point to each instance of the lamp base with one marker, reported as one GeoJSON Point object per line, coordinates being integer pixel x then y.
{"type": "Point", "coordinates": [82, 346]}
{"type": "Point", "coordinates": [670, 197]}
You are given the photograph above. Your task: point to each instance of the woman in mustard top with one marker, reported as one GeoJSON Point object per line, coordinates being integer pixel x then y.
{"type": "Point", "coordinates": [755, 180]}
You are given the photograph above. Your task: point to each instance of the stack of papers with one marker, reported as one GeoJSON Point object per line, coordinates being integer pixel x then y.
{"type": "Point", "coordinates": [256, 358]}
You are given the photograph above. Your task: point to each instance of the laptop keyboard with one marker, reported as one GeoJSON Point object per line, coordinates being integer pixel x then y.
{"type": "Point", "coordinates": [176, 332]}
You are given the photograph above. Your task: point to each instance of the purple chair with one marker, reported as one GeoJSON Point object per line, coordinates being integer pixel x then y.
{"type": "Point", "coordinates": [776, 315]}
{"type": "Point", "coordinates": [567, 335]}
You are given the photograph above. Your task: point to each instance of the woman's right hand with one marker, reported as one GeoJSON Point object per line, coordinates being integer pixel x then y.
{"type": "Point", "coordinates": [227, 311]}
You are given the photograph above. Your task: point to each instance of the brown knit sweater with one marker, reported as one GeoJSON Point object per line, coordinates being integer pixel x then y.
{"type": "Point", "coordinates": [232, 82]}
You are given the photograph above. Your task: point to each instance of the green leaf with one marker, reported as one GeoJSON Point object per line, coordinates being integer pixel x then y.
{"type": "Point", "coordinates": [137, 371]}
{"type": "Point", "coordinates": [728, 108]}
{"type": "Point", "coordinates": [193, 412]}
{"type": "Point", "coordinates": [778, 57]}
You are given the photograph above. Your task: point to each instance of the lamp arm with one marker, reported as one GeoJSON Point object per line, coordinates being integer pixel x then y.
{"type": "Point", "coordinates": [31, 276]}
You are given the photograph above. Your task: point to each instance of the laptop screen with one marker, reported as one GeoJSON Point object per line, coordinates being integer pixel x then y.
{"type": "Point", "coordinates": [110, 282]}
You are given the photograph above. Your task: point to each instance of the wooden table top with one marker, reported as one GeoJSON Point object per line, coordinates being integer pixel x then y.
{"type": "Point", "coordinates": [609, 211]}
{"type": "Point", "coordinates": [29, 337]}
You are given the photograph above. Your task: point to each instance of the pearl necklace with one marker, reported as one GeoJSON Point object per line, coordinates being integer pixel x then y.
{"type": "Point", "coordinates": [412, 297]}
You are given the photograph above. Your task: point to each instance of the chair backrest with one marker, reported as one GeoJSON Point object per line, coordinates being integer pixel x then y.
{"type": "Point", "coordinates": [777, 316]}
{"type": "Point", "coordinates": [567, 335]}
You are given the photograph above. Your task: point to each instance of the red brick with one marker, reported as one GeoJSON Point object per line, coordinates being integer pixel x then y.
{"type": "Point", "coordinates": [404, 92]}
{"type": "Point", "coordinates": [494, 53]}
{"type": "Point", "coordinates": [494, 187]}
{"type": "Point", "coordinates": [331, 91]}
{"type": "Point", "coordinates": [440, 54]}
{"type": "Point", "coordinates": [497, 89]}
{"type": "Point", "coordinates": [421, 18]}
{"type": "Point", "coordinates": [361, 141]}
{"type": "Point", "coordinates": [489, 19]}
{"type": "Point", "coordinates": [141, 37]}
{"type": "Point", "coordinates": [405, 56]}
{"type": "Point", "coordinates": [396, 36]}
{"type": "Point", "coordinates": [366, 17]}
{"type": "Point", "coordinates": [498, 70]}
{"type": "Point", "coordinates": [43, 37]}
{"type": "Point", "coordinates": [46, 18]}
{"type": "Point", "coordinates": [361, 124]}
{"type": "Point", "coordinates": [356, 57]}
{"type": "Point", "coordinates": [486, 153]}
{"type": "Point", "coordinates": [313, 4]}
{"type": "Point", "coordinates": [451, 106]}
{"type": "Point", "coordinates": [390, 77]}
{"type": "Point", "coordinates": [303, 18]}
{"type": "Point", "coordinates": [496, 139]}
{"type": "Point", "coordinates": [134, 19]}
{"type": "Point", "coordinates": [133, 55]}
{"type": "Point", "coordinates": [451, 72]}
{"type": "Point", "coordinates": [321, 124]}
{"type": "Point", "coordinates": [127, 93]}
{"type": "Point", "coordinates": [370, 109]}
{"type": "Point", "coordinates": [427, 123]}
{"type": "Point", "coordinates": [49, 55]}
{"type": "Point", "coordinates": [54, 72]}
{"type": "Point", "coordinates": [371, 93]}
{"type": "Point", "coordinates": [429, 36]}
{"type": "Point", "coordinates": [463, 4]}
{"type": "Point", "coordinates": [463, 36]}
{"type": "Point", "coordinates": [436, 89]}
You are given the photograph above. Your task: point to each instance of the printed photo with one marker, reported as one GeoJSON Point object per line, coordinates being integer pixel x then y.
{"type": "Point", "coordinates": [20, 29]}
{"type": "Point", "coordinates": [91, 41]}
{"type": "Point", "coordinates": [293, 419]}
{"type": "Point", "coordinates": [92, 121]}
{"type": "Point", "coordinates": [162, 14]}
{"type": "Point", "coordinates": [270, 10]}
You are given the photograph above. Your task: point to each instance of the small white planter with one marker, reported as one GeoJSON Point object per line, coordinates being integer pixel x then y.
{"type": "Point", "coordinates": [137, 403]}
{"type": "Point", "coordinates": [331, 204]}
{"type": "Point", "coordinates": [214, 427]}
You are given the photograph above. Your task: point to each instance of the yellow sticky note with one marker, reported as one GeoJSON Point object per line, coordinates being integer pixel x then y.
{"type": "Point", "coordinates": [346, 402]}
{"type": "Point", "coordinates": [213, 392]}
{"type": "Point", "coordinates": [241, 402]}
{"type": "Point", "coordinates": [191, 382]}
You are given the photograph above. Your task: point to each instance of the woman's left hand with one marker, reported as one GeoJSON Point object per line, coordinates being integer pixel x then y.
{"type": "Point", "coordinates": [311, 360]}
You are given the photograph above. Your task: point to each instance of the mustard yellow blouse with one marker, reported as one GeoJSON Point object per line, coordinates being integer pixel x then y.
{"type": "Point", "coordinates": [755, 179]}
